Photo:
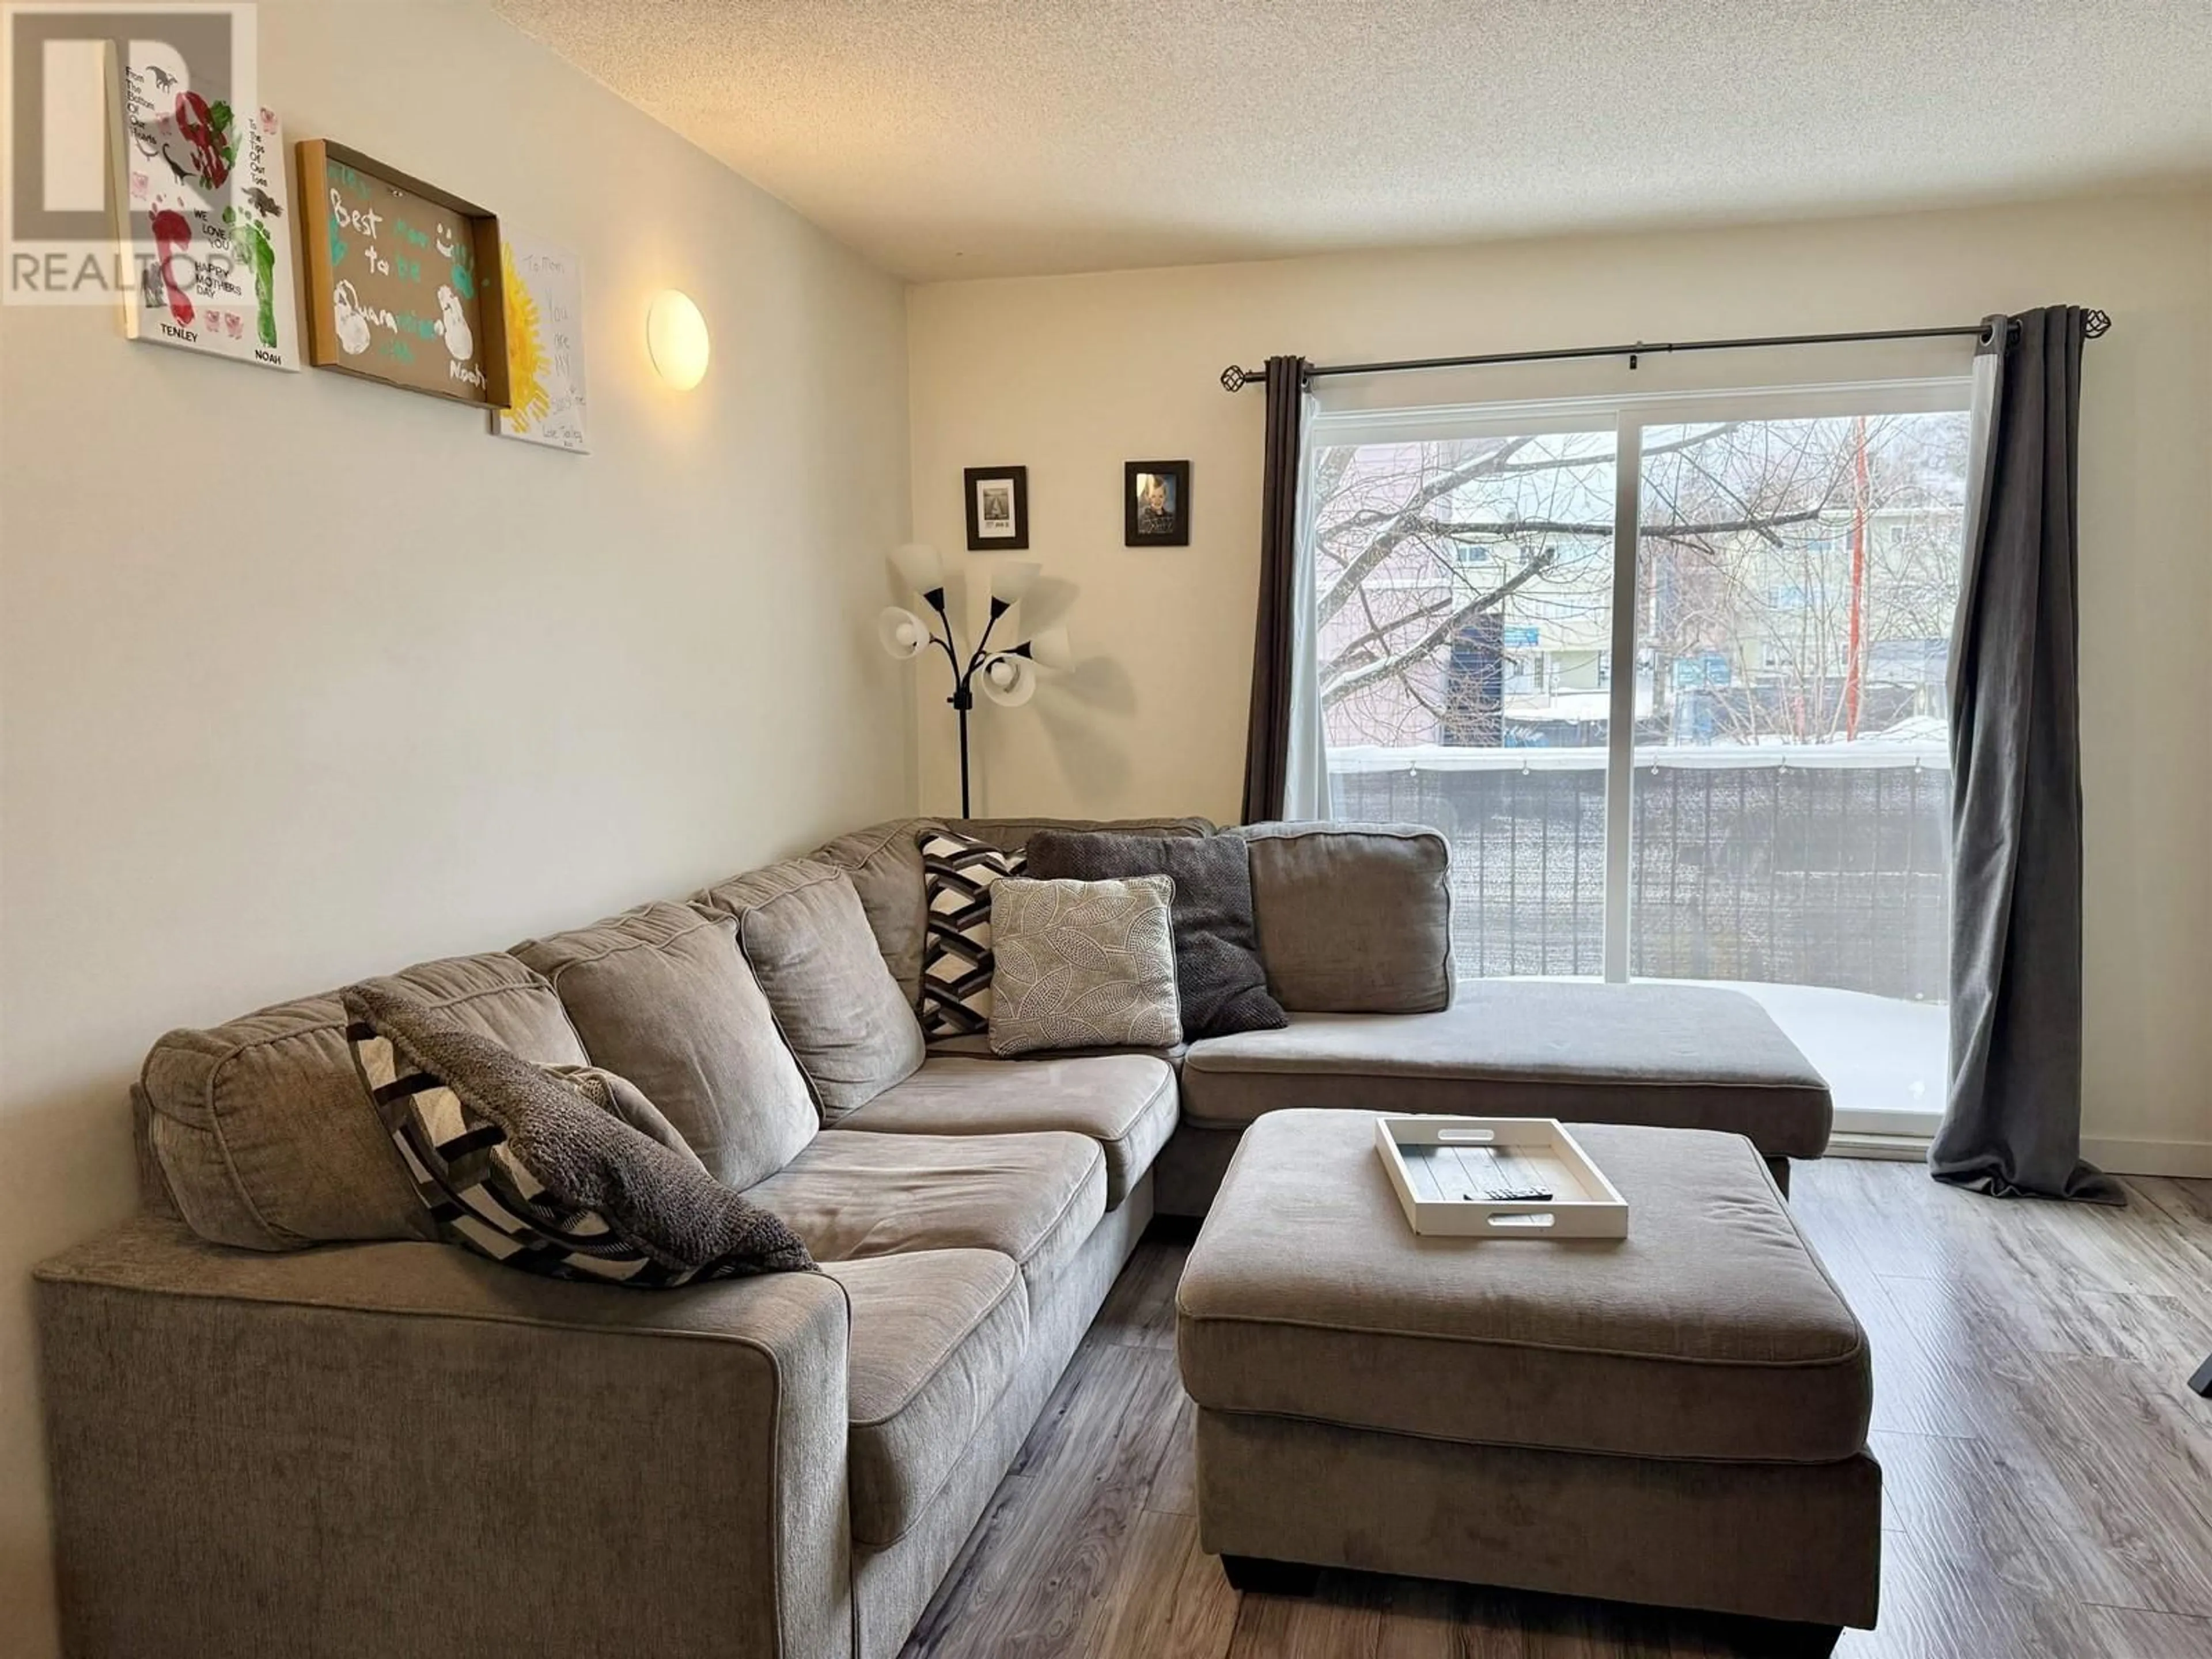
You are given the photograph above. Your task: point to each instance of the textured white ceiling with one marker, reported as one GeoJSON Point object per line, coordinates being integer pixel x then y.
{"type": "Point", "coordinates": [988, 138]}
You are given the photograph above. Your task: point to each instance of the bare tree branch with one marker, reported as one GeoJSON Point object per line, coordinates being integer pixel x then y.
{"type": "Point", "coordinates": [1335, 691]}
{"type": "Point", "coordinates": [1387, 539]}
{"type": "Point", "coordinates": [1720, 573]}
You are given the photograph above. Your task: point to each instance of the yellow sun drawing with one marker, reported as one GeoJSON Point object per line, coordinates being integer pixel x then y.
{"type": "Point", "coordinates": [525, 358]}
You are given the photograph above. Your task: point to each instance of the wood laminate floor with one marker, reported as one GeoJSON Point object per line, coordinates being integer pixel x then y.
{"type": "Point", "coordinates": [2048, 1474]}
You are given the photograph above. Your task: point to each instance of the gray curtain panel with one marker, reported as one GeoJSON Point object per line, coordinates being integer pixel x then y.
{"type": "Point", "coordinates": [1267, 743]}
{"type": "Point", "coordinates": [2014, 1124]}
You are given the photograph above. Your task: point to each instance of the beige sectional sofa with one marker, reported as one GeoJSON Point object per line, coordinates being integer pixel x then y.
{"type": "Point", "coordinates": [281, 1420]}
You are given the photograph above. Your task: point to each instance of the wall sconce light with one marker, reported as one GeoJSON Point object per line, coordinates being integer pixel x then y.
{"type": "Point", "coordinates": [1007, 675]}
{"type": "Point", "coordinates": [676, 339]}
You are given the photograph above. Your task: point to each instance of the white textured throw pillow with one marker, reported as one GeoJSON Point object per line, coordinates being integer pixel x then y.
{"type": "Point", "coordinates": [1084, 965]}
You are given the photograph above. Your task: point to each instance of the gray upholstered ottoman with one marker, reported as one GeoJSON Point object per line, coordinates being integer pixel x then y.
{"type": "Point", "coordinates": [1676, 1418]}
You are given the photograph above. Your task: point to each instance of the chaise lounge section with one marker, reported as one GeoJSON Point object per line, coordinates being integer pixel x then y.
{"type": "Point", "coordinates": [282, 1419]}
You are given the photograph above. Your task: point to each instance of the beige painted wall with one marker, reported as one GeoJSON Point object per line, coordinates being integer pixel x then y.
{"type": "Point", "coordinates": [263, 734]}
{"type": "Point", "coordinates": [1072, 376]}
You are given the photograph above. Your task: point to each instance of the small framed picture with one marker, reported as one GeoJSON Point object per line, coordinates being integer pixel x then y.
{"type": "Point", "coordinates": [1155, 504]}
{"type": "Point", "coordinates": [998, 508]}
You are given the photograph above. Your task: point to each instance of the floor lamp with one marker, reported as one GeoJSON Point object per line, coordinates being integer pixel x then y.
{"type": "Point", "coordinates": [1008, 676]}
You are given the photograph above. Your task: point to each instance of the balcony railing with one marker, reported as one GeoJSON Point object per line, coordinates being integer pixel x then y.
{"type": "Point", "coordinates": [1806, 865]}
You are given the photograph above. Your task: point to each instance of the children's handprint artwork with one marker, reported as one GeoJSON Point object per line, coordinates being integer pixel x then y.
{"type": "Point", "coordinates": [205, 197]}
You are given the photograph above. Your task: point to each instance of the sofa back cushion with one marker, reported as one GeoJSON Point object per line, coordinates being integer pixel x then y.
{"type": "Point", "coordinates": [803, 931]}
{"type": "Point", "coordinates": [1353, 918]}
{"type": "Point", "coordinates": [263, 1136]}
{"type": "Point", "coordinates": [1013, 834]}
{"type": "Point", "coordinates": [660, 995]}
{"type": "Point", "coordinates": [884, 862]}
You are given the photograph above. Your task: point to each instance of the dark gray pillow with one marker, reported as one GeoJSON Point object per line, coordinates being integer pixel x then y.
{"type": "Point", "coordinates": [1219, 978]}
{"type": "Point", "coordinates": [572, 1177]}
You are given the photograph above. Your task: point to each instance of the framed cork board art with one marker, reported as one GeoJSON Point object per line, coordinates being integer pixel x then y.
{"type": "Point", "coordinates": [404, 281]}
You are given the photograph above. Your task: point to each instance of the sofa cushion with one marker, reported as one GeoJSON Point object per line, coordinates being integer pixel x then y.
{"type": "Point", "coordinates": [1220, 982]}
{"type": "Point", "coordinates": [935, 1337]}
{"type": "Point", "coordinates": [1711, 1332]}
{"type": "Point", "coordinates": [885, 866]}
{"type": "Point", "coordinates": [264, 1135]}
{"type": "Point", "coordinates": [1678, 1057]}
{"type": "Point", "coordinates": [660, 996]}
{"type": "Point", "coordinates": [1034, 1198]}
{"type": "Point", "coordinates": [1353, 919]}
{"type": "Point", "coordinates": [978, 1047]}
{"type": "Point", "coordinates": [567, 1172]}
{"type": "Point", "coordinates": [803, 932]}
{"type": "Point", "coordinates": [1124, 1102]}
{"type": "Point", "coordinates": [1083, 964]}
{"type": "Point", "coordinates": [1013, 834]}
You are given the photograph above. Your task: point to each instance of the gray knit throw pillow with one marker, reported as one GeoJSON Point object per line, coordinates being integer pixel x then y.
{"type": "Point", "coordinates": [573, 1177]}
{"type": "Point", "coordinates": [1219, 977]}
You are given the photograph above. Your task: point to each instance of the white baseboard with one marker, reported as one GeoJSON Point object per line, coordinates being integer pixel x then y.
{"type": "Point", "coordinates": [2189, 1158]}
{"type": "Point", "coordinates": [1901, 1149]}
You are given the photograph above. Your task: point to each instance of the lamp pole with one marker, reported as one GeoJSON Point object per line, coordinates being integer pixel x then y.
{"type": "Point", "coordinates": [1009, 674]}
{"type": "Point", "coordinates": [962, 702]}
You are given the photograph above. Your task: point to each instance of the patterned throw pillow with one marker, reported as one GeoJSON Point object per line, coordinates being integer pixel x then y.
{"type": "Point", "coordinates": [1219, 977]}
{"type": "Point", "coordinates": [569, 1172]}
{"type": "Point", "coordinates": [1084, 965]}
{"type": "Point", "coordinates": [957, 873]}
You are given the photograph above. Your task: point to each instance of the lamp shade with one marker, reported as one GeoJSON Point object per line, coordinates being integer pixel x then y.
{"type": "Point", "coordinates": [901, 632]}
{"type": "Point", "coordinates": [920, 567]}
{"type": "Point", "coordinates": [1048, 649]}
{"type": "Point", "coordinates": [676, 337]}
{"type": "Point", "coordinates": [1009, 681]}
{"type": "Point", "coordinates": [1009, 581]}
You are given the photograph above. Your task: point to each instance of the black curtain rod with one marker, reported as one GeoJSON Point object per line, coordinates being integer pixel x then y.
{"type": "Point", "coordinates": [1233, 378]}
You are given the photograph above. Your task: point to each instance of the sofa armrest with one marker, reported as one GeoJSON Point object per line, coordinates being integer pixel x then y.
{"type": "Point", "coordinates": [395, 1449]}
{"type": "Point", "coordinates": [1353, 918]}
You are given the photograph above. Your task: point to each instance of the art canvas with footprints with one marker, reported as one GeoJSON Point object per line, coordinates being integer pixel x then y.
{"type": "Point", "coordinates": [544, 347]}
{"type": "Point", "coordinates": [405, 281]}
{"type": "Point", "coordinates": [206, 210]}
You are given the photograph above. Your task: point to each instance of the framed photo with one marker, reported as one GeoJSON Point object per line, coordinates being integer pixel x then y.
{"type": "Point", "coordinates": [998, 508]}
{"type": "Point", "coordinates": [1155, 504]}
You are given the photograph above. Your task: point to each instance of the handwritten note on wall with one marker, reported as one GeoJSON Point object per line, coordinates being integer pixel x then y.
{"type": "Point", "coordinates": [545, 346]}
{"type": "Point", "coordinates": [405, 284]}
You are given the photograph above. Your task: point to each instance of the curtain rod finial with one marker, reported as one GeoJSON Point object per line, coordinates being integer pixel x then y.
{"type": "Point", "coordinates": [2094, 323]}
{"type": "Point", "coordinates": [1234, 379]}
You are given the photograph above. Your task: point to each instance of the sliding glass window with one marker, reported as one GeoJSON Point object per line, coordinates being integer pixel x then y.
{"type": "Point", "coordinates": [1670, 674]}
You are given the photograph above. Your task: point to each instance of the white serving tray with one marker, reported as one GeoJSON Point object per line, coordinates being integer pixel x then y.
{"type": "Point", "coordinates": [1441, 1196]}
